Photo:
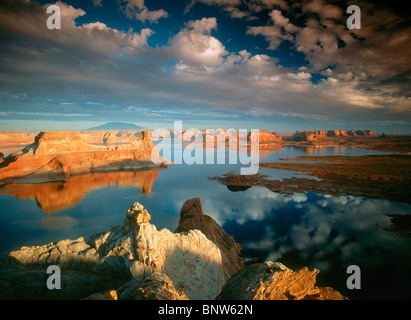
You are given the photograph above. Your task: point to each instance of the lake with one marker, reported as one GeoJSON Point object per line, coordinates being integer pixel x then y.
{"type": "Point", "coordinates": [318, 231]}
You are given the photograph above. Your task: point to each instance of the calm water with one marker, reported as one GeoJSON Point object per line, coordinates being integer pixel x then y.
{"type": "Point", "coordinates": [318, 231]}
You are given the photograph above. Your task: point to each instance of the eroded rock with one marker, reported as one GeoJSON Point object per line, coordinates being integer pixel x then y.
{"type": "Point", "coordinates": [55, 155]}
{"type": "Point", "coordinates": [192, 217]}
{"type": "Point", "coordinates": [136, 261]}
{"type": "Point", "coordinates": [274, 281]}
{"type": "Point", "coordinates": [136, 249]}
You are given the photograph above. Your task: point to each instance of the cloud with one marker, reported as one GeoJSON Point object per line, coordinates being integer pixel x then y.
{"type": "Point", "coordinates": [195, 71]}
{"type": "Point", "coordinates": [194, 44]}
{"type": "Point", "coordinates": [352, 61]}
{"type": "Point", "coordinates": [326, 11]}
{"type": "Point", "coordinates": [136, 9]}
{"type": "Point", "coordinates": [97, 3]}
{"type": "Point", "coordinates": [272, 3]}
{"type": "Point", "coordinates": [275, 34]}
{"type": "Point", "coordinates": [236, 13]}
{"type": "Point", "coordinates": [230, 6]}
{"type": "Point", "coordinates": [238, 8]}
{"type": "Point", "coordinates": [31, 17]}
{"type": "Point", "coordinates": [205, 25]}
{"type": "Point", "coordinates": [229, 3]}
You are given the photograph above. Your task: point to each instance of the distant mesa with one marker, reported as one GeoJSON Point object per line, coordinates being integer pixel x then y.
{"type": "Point", "coordinates": [116, 126]}
{"type": "Point", "coordinates": [309, 135]}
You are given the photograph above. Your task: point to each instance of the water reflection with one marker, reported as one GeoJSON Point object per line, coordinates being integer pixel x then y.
{"type": "Point", "coordinates": [318, 231]}
{"type": "Point", "coordinates": [323, 232]}
{"type": "Point", "coordinates": [53, 197]}
{"type": "Point", "coordinates": [325, 150]}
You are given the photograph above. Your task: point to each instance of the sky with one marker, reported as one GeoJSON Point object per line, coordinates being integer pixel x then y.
{"type": "Point", "coordinates": [275, 65]}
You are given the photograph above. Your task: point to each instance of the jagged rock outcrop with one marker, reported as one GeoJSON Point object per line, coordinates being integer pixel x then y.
{"type": "Point", "coordinates": [136, 261]}
{"type": "Point", "coordinates": [154, 286]}
{"type": "Point", "coordinates": [55, 155]}
{"type": "Point", "coordinates": [274, 281]}
{"type": "Point", "coordinates": [192, 217]}
{"type": "Point", "coordinates": [134, 250]}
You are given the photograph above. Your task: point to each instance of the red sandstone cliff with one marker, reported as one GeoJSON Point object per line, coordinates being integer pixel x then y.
{"type": "Point", "coordinates": [308, 135]}
{"type": "Point", "coordinates": [55, 155]}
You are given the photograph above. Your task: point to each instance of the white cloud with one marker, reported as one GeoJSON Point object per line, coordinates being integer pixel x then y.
{"type": "Point", "coordinates": [194, 45]}
{"type": "Point", "coordinates": [205, 25]}
{"type": "Point", "coordinates": [93, 36]}
{"type": "Point", "coordinates": [282, 21]}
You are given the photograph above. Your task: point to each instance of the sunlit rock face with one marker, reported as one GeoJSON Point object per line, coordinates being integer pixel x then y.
{"type": "Point", "coordinates": [136, 261]}
{"type": "Point", "coordinates": [190, 261]}
{"type": "Point", "coordinates": [274, 281]}
{"type": "Point", "coordinates": [55, 155]}
{"type": "Point", "coordinates": [312, 135]}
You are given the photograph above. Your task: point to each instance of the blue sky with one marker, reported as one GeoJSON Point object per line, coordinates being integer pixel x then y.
{"type": "Point", "coordinates": [268, 64]}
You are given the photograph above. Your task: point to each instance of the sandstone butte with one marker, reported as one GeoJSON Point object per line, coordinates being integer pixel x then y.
{"type": "Point", "coordinates": [113, 137]}
{"type": "Point", "coordinates": [309, 135]}
{"type": "Point", "coordinates": [199, 261]}
{"type": "Point", "coordinates": [55, 155]}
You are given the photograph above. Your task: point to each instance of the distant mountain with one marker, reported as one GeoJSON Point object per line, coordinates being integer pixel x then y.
{"type": "Point", "coordinates": [117, 126]}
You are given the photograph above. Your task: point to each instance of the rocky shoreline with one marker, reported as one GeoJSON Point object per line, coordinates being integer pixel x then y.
{"type": "Point", "coordinates": [385, 177]}
{"type": "Point", "coordinates": [199, 261]}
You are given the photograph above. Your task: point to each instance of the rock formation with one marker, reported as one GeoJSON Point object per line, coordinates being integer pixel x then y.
{"type": "Point", "coordinates": [192, 217]}
{"type": "Point", "coordinates": [21, 138]}
{"type": "Point", "coordinates": [309, 135]}
{"type": "Point", "coordinates": [55, 155]}
{"type": "Point", "coordinates": [190, 262]}
{"type": "Point", "coordinates": [136, 261]}
{"type": "Point", "coordinates": [274, 281]}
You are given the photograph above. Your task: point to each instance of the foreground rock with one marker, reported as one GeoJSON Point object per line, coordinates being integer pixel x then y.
{"type": "Point", "coordinates": [192, 217]}
{"type": "Point", "coordinates": [274, 281]}
{"type": "Point", "coordinates": [136, 261]}
{"type": "Point", "coordinates": [109, 259]}
{"type": "Point", "coordinates": [57, 154]}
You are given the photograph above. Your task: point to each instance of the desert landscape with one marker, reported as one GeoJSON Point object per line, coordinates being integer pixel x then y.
{"type": "Point", "coordinates": [215, 152]}
{"type": "Point", "coordinates": [59, 169]}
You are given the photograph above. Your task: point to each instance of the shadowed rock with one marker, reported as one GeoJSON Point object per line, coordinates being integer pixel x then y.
{"type": "Point", "coordinates": [192, 217]}
{"type": "Point", "coordinates": [134, 250]}
{"type": "Point", "coordinates": [274, 281]}
{"type": "Point", "coordinates": [135, 261]}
